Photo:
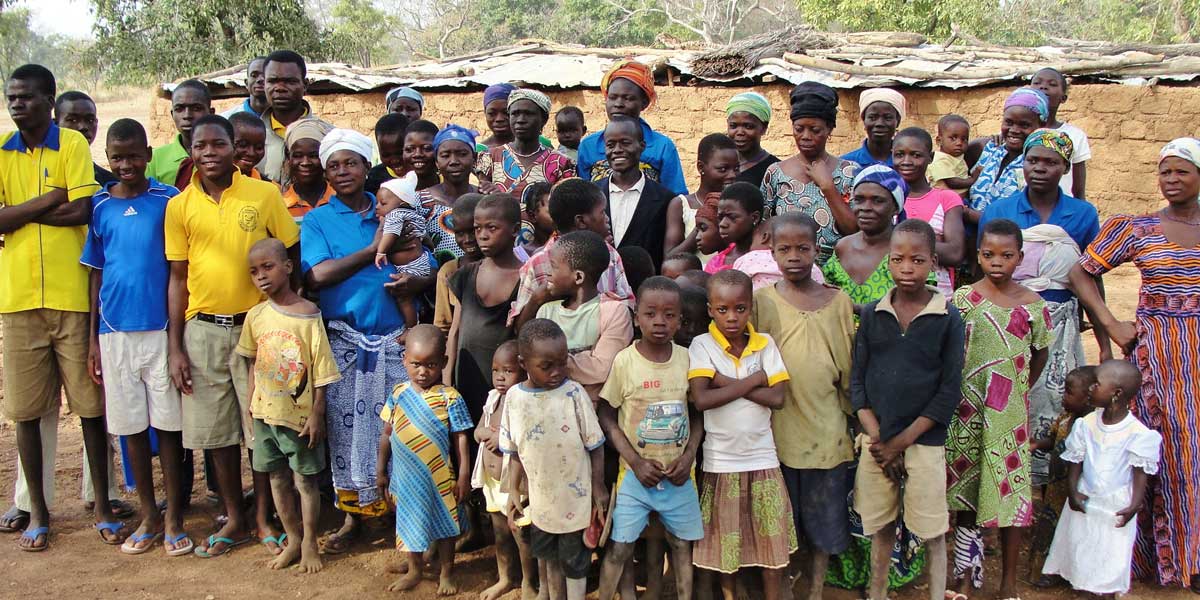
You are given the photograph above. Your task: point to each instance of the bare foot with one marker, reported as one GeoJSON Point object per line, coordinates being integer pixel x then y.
{"type": "Point", "coordinates": [397, 567]}
{"type": "Point", "coordinates": [446, 585]}
{"type": "Point", "coordinates": [288, 556]}
{"type": "Point", "coordinates": [408, 582]}
{"type": "Point", "coordinates": [310, 557]}
{"type": "Point", "coordinates": [528, 592]}
{"type": "Point", "coordinates": [497, 590]}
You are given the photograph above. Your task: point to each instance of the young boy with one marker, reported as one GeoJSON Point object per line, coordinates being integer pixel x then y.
{"type": "Point", "coordinates": [554, 442]}
{"type": "Point", "coordinates": [128, 349]}
{"type": "Point", "coordinates": [570, 128]}
{"type": "Point", "coordinates": [646, 418]}
{"type": "Point", "coordinates": [949, 169]}
{"type": "Point", "coordinates": [693, 317]}
{"type": "Point", "coordinates": [489, 476]}
{"type": "Point", "coordinates": [249, 142]}
{"type": "Point", "coordinates": [171, 163]}
{"type": "Point", "coordinates": [574, 205]}
{"type": "Point", "coordinates": [223, 214]}
{"type": "Point", "coordinates": [290, 364]}
{"type": "Point", "coordinates": [462, 221]}
{"type": "Point", "coordinates": [425, 426]}
{"type": "Point", "coordinates": [911, 343]}
{"type": "Point", "coordinates": [596, 328]}
{"type": "Point", "coordinates": [389, 140]}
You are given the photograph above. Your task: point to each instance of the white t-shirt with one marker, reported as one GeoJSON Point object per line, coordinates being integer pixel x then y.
{"type": "Point", "coordinates": [1081, 153]}
{"type": "Point", "coordinates": [737, 436]}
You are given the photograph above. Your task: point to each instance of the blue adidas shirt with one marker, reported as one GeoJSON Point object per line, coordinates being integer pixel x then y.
{"type": "Point", "coordinates": [126, 242]}
{"type": "Point", "coordinates": [660, 159]}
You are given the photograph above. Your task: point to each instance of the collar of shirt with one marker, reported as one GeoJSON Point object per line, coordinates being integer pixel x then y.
{"type": "Point", "coordinates": [250, 109]}
{"type": "Point", "coordinates": [613, 188]}
{"type": "Point", "coordinates": [936, 305]}
{"type": "Point", "coordinates": [1062, 209]}
{"type": "Point", "coordinates": [863, 157]}
{"type": "Point", "coordinates": [234, 185]}
{"type": "Point", "coordinates": [291, 198]}
{"type": "Point", "coordinates": [340, 207]}
{"type": "Point", "coordinates": [756, 342]}
{"type": "Point", "coordinates": [155, 187]}
{"type": "Point", "coordinates": [279, 128]}
{"type": "Point", "coordinates": [16, 143]}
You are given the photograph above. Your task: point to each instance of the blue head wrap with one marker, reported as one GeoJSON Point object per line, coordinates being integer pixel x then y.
{"type": "Point", "coordinates": [403, 92]}
{"type": "Point", "coordinates": [455, 133]}
{"type": "Point", "coordinates": [497, 91]}
{"type": "Point", "coordinates": [1033, 99]}
{"type": "Point", "coordinates": [886, 177]}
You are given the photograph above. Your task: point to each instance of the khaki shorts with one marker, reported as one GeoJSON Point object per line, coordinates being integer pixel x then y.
{"type": "Point", "coordinates": [877, 498]}
{"type": "Point", "coordinates": [45, 350]}
{"type": "Point", "coordinates": [216, 414]}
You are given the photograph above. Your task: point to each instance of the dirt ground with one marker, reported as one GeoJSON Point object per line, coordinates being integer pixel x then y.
{"type": "Point", "coordinates": [93, 570]}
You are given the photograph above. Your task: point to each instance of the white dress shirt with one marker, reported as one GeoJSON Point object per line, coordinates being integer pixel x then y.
{"type": "Point", "coordinates": [621, 205]}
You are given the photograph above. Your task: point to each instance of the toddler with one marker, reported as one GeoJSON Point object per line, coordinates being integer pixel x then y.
{"type": "Point", "coordinates": [949, 169]}
{"type": "Point", "coordinates": [679, 263]}
{"type": "Point", "coordinates": [398, 208]}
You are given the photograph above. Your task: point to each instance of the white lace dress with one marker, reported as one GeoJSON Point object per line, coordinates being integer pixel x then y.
{"type": "Point", "coordinates": [1089, 550]}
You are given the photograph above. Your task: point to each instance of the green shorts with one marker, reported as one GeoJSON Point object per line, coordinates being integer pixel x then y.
{"type": "Point", "coordinates": [276, 447]}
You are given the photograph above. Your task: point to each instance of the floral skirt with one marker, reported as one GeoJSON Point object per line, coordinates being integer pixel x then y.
{"type": "Point", "coordinates": [747, 521]}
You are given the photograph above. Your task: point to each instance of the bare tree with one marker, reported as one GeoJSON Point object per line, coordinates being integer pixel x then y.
{"type": "Point", "coordinates": [428, 26]}
{"type": "Point", "coordinates": [713, 21]}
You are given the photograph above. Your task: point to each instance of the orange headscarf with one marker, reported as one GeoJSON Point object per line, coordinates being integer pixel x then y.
{"type": "Point", "coordinates": [708, 208]}
{"type": "Point", "coordinates": [634, 71]}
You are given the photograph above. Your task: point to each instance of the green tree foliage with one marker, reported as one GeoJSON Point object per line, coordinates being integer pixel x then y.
{"type": "Point", "coordinates": [360, 33]}
{"type": "Point", "coordinates": [160, 40]}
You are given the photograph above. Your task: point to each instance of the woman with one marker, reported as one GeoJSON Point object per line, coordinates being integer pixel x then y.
{"type": "Point", "coordinates": [405, 101]}
{"type": "Point", "coordinates": [1000, 162]}
{"type": "Point", "coordinates": [747, 115]}
{"type": "Point", "coordinates": [882, 110]}
{"type": "Point", "coordinates": [337, 257]}
{"type": "Point", "coordinates": [307, 188]}
{"type": "Point", "coordinates": [813, 181]}
{"type": "Point", "coordinates": [510, 167]}
{"type": "Point", "coordinates": [495, 116]}
{"type": "Point", "coordinates": [454, 152]}
{"type": "Point", "coordinates": [1055, 226]}
{"type": "Point", "coordinates": [1162, 342]}
{"type": "Point", "coordinates": [859, 267]}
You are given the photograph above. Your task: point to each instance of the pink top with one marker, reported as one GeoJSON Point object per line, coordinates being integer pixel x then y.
{"type": "Point", "coordinates": [932, 208]}
{"type": "Point", "coordinates": [760, 265]}
{"type": "Point", "coordinates": [717, 264]}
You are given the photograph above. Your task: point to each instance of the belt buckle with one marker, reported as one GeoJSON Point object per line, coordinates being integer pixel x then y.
{"type": "Point", "coordinates": [224, 320]}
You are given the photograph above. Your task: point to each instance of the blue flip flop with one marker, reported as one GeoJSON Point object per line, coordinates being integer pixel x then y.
{"type": "Point", "coordinates": [278, 541]}
{"type": "Point", "coordinates": [214, 540]}
{"type": "Point", "coordinates": [180, 550]}
{"type": "Point", "coordinates": [33, 535]}
{"type": "Point", "coordinates": [113, 527]}
{"type": "Point", "coordinates": [131, 543]}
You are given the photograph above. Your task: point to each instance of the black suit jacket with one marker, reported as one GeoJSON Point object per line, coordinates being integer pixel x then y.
{"type": "Point", "coordinates": [648, 228]}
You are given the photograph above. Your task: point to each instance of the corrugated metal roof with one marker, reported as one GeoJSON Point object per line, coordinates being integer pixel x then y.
{"type": "Point", "coordinates": [794, 55]}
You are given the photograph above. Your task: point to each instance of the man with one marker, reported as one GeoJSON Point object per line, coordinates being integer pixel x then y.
{"type": "Point", "coordinates": [170, 163]}
{"type": "Point", "coordinates": [285, 74]}
{"type": "Point", "coordinates": [256, 102]}
{"type": "Point", "coordinates": [76, 110]}
{"type": "Point", "coordinates": [637, 205]}
{"type": "Point", "coordinates": [46, 184]}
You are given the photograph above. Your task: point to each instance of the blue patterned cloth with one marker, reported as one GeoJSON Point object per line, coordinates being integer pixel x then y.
{"type": "Point", "coordinates": [994, 184]}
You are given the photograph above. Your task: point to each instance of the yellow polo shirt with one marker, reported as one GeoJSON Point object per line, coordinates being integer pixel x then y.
{"type": "Point", "coordinates": [39, 266]}
{"type": "Point", "coordinates": [215, 237]}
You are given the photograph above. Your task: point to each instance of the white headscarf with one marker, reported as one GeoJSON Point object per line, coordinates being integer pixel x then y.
{"type": "Point", "coordinates": [345, 139]}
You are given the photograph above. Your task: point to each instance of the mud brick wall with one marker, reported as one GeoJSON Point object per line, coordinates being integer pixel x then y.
{"type": "Point", "coordinates": [1127, 125]}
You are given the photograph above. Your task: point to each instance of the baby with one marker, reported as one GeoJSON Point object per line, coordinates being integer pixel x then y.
{"type": "Point", "coordinates": [949, 168]}
{"type": "Point", "coordinates": [399, 207]}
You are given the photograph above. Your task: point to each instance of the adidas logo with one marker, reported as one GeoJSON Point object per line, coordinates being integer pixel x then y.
{"type": "Point", "coordinates": [129, 212]}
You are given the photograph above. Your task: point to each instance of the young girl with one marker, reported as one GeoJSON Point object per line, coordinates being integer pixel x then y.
{"type": "Point", "coordinates": [488, 475]}
{"type": "Point", "coordinates": [1052, 83]}
{"type": "Point", "coordinates": [708, 237]}
{"type": "Point", "coordinates": [536, 224]}
{"type": "Point", "coordinates": [759, 263]}
{"type": "Point", "coordinates": [739, 214]}
{"type": "Point", "coordinates": [717, 163]}
{"type": "Point", "coordinates": [424, 421]}
{"type": "Point", "coordinates": [912, 151]}
{"type": "Point", "coordinates": [814, 327]}
{"type": "Point", "coordinates": [418, 153]}
{"type": "Point", "coordinates": [743, 499]}
{"type": "Point", "coordinates": [1111, 454]}
{"type": "Point", "coordinates": [987, 449]}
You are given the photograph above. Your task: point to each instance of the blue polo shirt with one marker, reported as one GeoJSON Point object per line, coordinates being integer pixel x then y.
{"type": "Point", "coordinates": [126, 242]}
{"type": "Point", "coordinates": [1077, 217]}
{"type": "Point", "coordinates": [863, 157]}
{"type": "Point", "coordinates": [660, 159]}
{"type": "Point", "coordinates": [334, 231]}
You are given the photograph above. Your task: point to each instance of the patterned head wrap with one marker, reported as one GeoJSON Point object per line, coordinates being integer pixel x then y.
{"type": "Point", "coordinates": [345, 139]}
{"type": "Point", "coordinates": [753, 103]}
{"type": "Point", "coordinates": [403, 92]}
{"type": "Point", "coordinates": [708, 208]}
{"type": "Point", "coordinates": [1185, 147]}
{"type": "Point", "coordinates": [886, 177]}
{"type": "Point", "coordinates": [308, 128]}
{"type": "Point", "coordinates": [497, 91]}
{"type": "Point", "coordinates": [405, 188]}
{"type": "Point", "coordinates": [1030, 98]}
{"type": "Point", "coordinates": [887, 96]}
{"type": "Point", "coordinates": [637, 73]}
{"type": "Point", "coordinates": [541, 100]}
{"type": "Point", "coordinates": [816, 100]}
{"type": "Point", "coordinates": [1053, 139]}
{"type": "Point", "coordinates": [454, 133]}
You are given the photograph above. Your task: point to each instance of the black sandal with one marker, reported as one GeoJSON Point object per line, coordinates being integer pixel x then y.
{"type": "Point", "coordinates": [14, 520]}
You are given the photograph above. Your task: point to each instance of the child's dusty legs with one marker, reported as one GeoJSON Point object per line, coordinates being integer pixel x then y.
{"type": "Point", "coordinates": [935, 549]}
{"type": "Point", "coordinates": [445, 551]}
{"type": "Point", "coordinates": [704, 584]}
{"type": "Point", "coordinates": [310, 511]}
{"type": "Point", "coordinates": [543, 590]}
{"type": "Point", "coordinates": [264, 505]}
{"type": "Point", "coordinates": [285, 505]}
{"type": "Point", "coordinates": [412, 576]}
{"type": "Point", "coordinates": [654, 569]}
{"type": "Point", "coordinates": [681, 564]}
{"type": "Point", "coordinates": [882, 542]}
{"type": "Point", "coordinates": [728, 586]}
{"type": "Point", "coordinates": [772, 580]}
{"type": "Point", "coordinates": [819, 564]}
{"type": "Point", "coordinates": [170, 459]}
{"type": "Point", "coordinates": [29, 449]}
{"type": "Point", "coordinates": [968, 544]}
{"type": "Point", "coordinates": [506, 555]}
{"type": "Point", "coordinates": [143, 478]}
{"type": "Point", "coordinates": [95, 443]}
{"type": "Point", "coordinates": [227, 463]}
{"type": "Point", "coordinates": [555, 581]}
{"type": "Point", "coordinates": [576, 588]}
{"type": "Point", "coordinates": [616, 558]}
{"type": "Point", "coordinates": [1010, 547]}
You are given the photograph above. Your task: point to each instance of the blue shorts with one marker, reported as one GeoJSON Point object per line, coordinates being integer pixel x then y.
{"type": "Point", "coordinates": [678, 507]}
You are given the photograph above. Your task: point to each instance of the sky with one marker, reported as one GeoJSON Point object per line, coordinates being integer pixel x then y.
{"type": "Point", "coordinates": [70, 18]}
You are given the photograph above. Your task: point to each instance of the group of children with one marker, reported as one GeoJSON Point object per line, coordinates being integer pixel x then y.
{"type": "Point", "coordinates": [743, 400]}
